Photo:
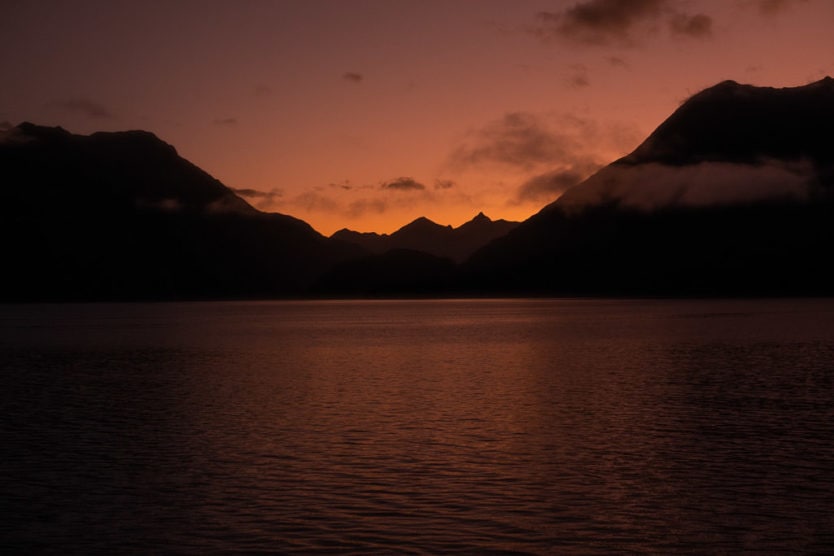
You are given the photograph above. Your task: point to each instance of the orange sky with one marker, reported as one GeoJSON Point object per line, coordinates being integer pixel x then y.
{"type": "Point", "coordinates": [367, 114]}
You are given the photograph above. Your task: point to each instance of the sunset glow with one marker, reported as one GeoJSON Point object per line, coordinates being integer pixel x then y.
{"type": "Point", "coordinates": [368, 114]}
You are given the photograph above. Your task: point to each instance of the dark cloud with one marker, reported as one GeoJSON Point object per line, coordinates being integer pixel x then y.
{"type": "Point", "coordinates": [619, 22]}
{"type": "Point", "coordinates": [85, 107]}
{"type": "Point", "coordinates": [579, 77]}
{"type": "Point", "coordinates": [225, 121]}
{"type": "Point", "coordinates": [258, 194]}
{"type": "Point", "coordinates": [616, 61]}
{"type": "Point", "coordinates": [261, 199]}
{"type": "Point", "coordinates": [443, 184]}
{"type": "Point", "coordinates": [403, 184]}
{"type": "Point", "coordinates": [697, 26]}
{"type": "Point", "coordinates": [598, 22]}
{"type": "Point", "coordinates": [519, 140]}
{"type": "Point", "coordinates": [346, 185]}
{"type": "Point", "coordinates": [546, 187]}
{"type": "Point", "coordinates": [353, 77]}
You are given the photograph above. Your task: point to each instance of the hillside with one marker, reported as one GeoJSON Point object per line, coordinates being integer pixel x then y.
{"type": "Point", "coordinates": [123, 216]}
{"type": "Point", "coordinates": [731, 195]}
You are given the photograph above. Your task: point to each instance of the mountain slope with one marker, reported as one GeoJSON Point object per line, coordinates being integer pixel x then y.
{"type": "Point", "coordinates": [429, 237]}
{"type": "Point", "coordinates": [731, 195]}
{"type": "Point", "coordinates": [122, 216]}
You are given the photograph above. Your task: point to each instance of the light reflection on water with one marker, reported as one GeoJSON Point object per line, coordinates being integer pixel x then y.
{"type": "Point", "coordinates": [534, 426]}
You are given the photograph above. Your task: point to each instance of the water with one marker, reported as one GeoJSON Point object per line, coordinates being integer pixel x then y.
{"type": "Point", "coordinates": [488, 426]}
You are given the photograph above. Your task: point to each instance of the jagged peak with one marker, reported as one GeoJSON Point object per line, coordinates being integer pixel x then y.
{"type": "Point", "coordinates": [422, 222]}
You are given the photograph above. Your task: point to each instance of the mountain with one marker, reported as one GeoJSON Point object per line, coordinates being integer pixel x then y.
{"type": "Point", "coordinates": [424, 235]}
{"type": "Point", "coordinates": [122, 216]}
{"type": "Point", "coordinates": [732, 195]}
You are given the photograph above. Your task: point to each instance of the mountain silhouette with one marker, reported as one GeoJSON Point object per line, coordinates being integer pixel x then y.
{"type": "Point", "coordinates": [731, 195]}
{"type": "Point", "coordinates": [122, 216]}
{"type": "Point", "coordinates": [429, 237]}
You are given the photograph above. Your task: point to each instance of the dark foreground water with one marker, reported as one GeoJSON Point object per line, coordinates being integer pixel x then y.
{"type": "Point", "coordinates": [528, 426]}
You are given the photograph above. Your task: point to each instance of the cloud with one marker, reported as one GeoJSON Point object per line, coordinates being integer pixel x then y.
{"type": "Point", "coordinates": [696, 26]}
{"type": "Point", "coordinates": [84, 107]}
{"type": "Point", "coordinates": [353, 77]}
{"type": "Point", "coordinates": [548, 186]}
{"type": "Point", "coordinates": [312, 201]}
{"type": "Point", "coordinates": [353, 201]}
{"type": "Point", "coordinates": [346, 185]}
{"type": "Point", "coordinates": [403, 184]}
{"type": "Point", "coordinates": [616, 62]}
{"type": "Point", "coordinates": [651, 186]}
{"type": "Point", "coordinates": [775, 7]}
{"type": "Point", "coordinates": [251, 193]}
{"type": "Point", "coordinates": [598, 22]}
{"type": "Point", "coordinates": [360, 207]}
{"type": "Point", "coordinates": [620, 23]}
{"type": "Point", "coordinates": [262, 90]}
{"type": "Point", "coordinates": [225, 121]}
{"type": "Point", "coordinates": [579, 78]}
{"type": "Point", "coordinates": [263, 198]}
{"type": "Point", "coordinates": [519, 140]}
{"type": "Point", "coordinates": [5, 125]}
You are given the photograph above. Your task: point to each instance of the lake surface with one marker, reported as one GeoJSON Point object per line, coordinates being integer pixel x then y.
{"type": "Point", "coordinates": [485, 426]}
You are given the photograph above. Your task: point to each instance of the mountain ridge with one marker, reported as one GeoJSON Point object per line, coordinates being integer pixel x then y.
{"type": "Point", "coordinates": [714, 202]}
{"type": "Point", "coordinates": [121, 216]}
{"type": "Point", "coordinates": [423, 234]}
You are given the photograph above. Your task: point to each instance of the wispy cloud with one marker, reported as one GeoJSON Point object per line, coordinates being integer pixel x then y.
{"type": "Point", "coordinates": [619, 23]}
{"type": "Point", "coordinates": [403, 184]}
{"type": "Point", "coordinates": [261, 199]}
{"type": "Point", "coordinates": [776, 7]}
{"type": "Point", "coordinates": [697, 26]}
{"type": "Point", "coordinates": [519, 139]}
{"type": "Point", "coordinates": [354, 201]}
{"type": "Point", "coordinates": [353, 77]}
{"type": "Point", "coordinates": [546, 187]}
{"type": "Point", "coordinates": [83, 106]}
{"type": "Point", "coordinates": [616, 62]}
{"type": "Point", "coordinates": [544, 155]}
{"type": "Point", "coordinates": [579, 76]}
{"type": "Point", "coordinates": [598, 22]}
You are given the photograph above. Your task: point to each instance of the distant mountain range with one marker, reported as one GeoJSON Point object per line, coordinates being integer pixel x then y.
{"type": "Point", "coordinates": [732, 195]}
{"type": "Point", "coordinates": [441, 241]}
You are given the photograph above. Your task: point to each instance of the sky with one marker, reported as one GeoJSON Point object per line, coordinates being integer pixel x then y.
{"type": "Point", "coordinates": [367, 114]}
